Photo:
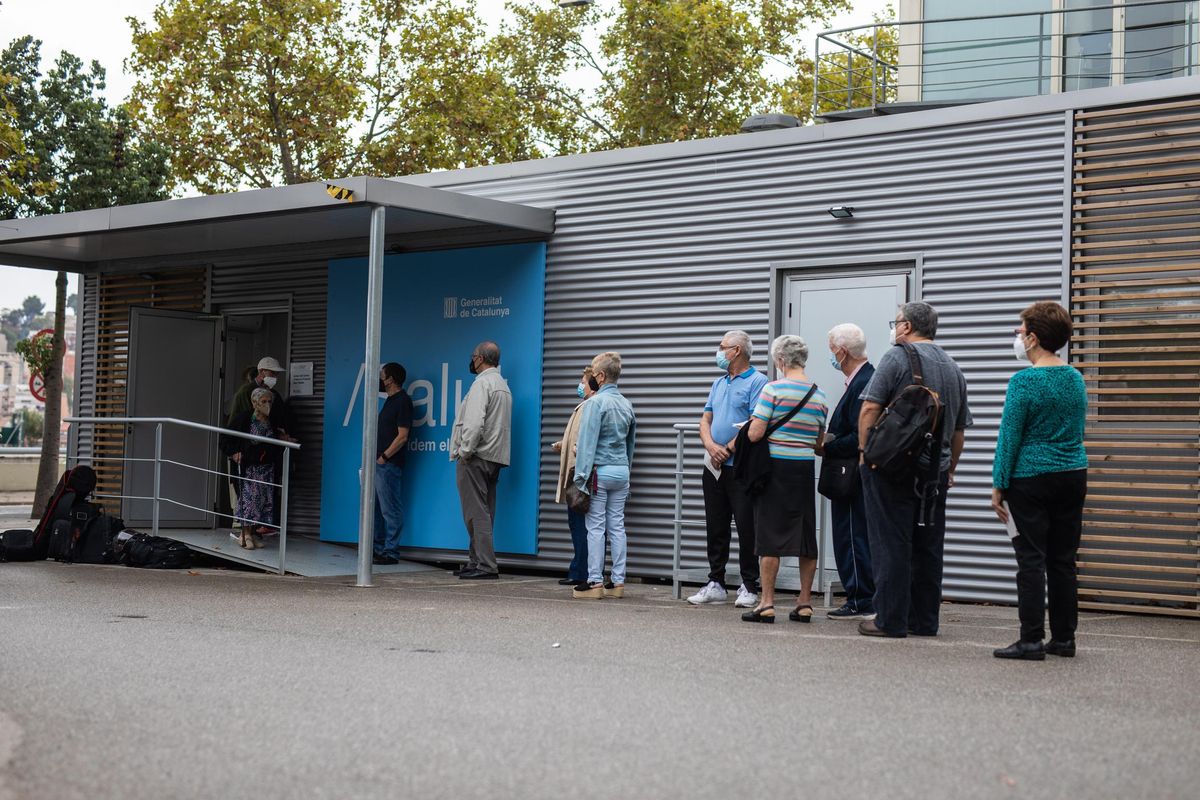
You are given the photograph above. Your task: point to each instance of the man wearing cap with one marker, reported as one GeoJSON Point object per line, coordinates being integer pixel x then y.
{"type": "Point", "coordinates": [269, 371]}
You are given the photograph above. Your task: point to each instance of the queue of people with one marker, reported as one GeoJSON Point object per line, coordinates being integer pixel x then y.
{"type": "Point", "coordinates": [888, 508]}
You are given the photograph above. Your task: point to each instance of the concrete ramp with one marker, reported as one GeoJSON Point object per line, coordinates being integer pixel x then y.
{"type": "Point", "coordinates": [306, 555]}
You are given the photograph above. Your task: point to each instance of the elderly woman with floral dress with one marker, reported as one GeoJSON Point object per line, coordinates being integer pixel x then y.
{"type": "Point", "coordinates": [255, 506]}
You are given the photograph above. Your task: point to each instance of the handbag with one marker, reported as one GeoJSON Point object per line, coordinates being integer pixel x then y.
{"type": "Point", "coordinates": [577, 499]}
{"type": "Point", "coordinates": [752, 464]}
{"type": "Point", "coordinates": [839, 477]}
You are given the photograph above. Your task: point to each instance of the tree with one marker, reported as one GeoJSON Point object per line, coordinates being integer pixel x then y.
{"type": "Point", "coordinates": [667, 70]}
{"type": "Point", "coordinates": [32, 428]}
{"type": "Point", "coordinates": [263, 92]}
{"type": "Point", "coordinates": [85, 155]}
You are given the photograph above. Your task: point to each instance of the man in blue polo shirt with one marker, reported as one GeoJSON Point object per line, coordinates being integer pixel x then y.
{"type": "Point", "coordinates": [730, 402]}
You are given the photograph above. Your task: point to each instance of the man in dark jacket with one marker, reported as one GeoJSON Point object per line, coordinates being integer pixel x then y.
{"type": "Point", "coordinates": [848, 353]}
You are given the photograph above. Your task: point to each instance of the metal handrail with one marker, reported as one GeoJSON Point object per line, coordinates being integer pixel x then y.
{"type": "Point", "coordinates": [837, 74]}
{"type": "Point", "coordinates": [157, 499]}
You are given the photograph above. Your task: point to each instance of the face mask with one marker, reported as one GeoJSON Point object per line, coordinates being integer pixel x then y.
{"type": "Point", "coordinates": [833, 360]}
{"type": "Point", "coordinates": [382, 388]}
{"type": "Point", "coordinates": [270, 381]}
{"type": "Point", "coordinates": [722, 361]}
{"type": "Point", "coordinates": [593, 384]}
{"type": "Point", "coordinates": [579, 390]}
{"type": "Point", "coordinates": [471, 366]}
{"type": "Point", "coordinates": [892, 337]}
{"type": "Point", "coordinates": [1019, 348]}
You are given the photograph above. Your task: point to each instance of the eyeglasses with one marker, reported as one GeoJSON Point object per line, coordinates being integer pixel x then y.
{"type": "Point", "coordinates": [1020, 332]}
{"type": "Point", "coordinates": [893, 323]}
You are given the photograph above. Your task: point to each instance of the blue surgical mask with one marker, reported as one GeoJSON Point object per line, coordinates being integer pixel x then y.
{"type": "Point", "coordinates": [579, 390]}
{"type": "Point", "coordinates": [722, 361]}
{"type": "Point", "coordinates": [833, 360]}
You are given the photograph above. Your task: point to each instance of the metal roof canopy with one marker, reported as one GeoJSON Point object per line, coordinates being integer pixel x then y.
{"type": "Point", "coordinates": [284, 216]}
{"type": "Point", "coordinates": [287, 216]}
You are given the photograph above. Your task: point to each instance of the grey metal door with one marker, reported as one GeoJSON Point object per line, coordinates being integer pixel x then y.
{"type": "Point", "coordinates": [814, 307]}
{"type": "Point", "coordinates": [173, 363]}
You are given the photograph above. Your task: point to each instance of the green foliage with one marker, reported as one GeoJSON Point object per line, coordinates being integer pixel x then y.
{"type": "Point", "coordinates": [16, 163]}
{"type": "Point", "coordinates": [33, 425]}
{"type": "Point", "coordinates": [38, 353]}
{"type": "Point", "coordinates": [857, 75]}
{"type": "Point", "coordinates": [81, 153]}
{"type": "Point", "coordinates": [668, 70]}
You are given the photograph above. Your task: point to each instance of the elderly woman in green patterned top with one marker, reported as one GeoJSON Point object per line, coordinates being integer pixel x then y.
{"type": "Point", "coordinates": [1039, 481]}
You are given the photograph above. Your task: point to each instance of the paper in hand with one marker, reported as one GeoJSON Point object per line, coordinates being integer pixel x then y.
{"type": "Point", "coordinates": [1011, 524]}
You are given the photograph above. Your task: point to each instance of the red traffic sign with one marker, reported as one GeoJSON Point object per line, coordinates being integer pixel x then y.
{"type": "Point", "coordinates": [37, 387]}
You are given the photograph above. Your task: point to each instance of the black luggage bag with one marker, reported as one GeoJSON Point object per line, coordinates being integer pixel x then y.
{"type": "Point", "coordinates": [17, 545]}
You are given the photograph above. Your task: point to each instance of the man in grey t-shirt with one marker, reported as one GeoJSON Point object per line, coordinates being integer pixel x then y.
{"type": "Point", "coordinates": [906, 517]}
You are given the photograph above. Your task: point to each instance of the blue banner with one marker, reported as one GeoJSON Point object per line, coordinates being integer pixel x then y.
{"type": "Point", "coordinates": [436, 307]}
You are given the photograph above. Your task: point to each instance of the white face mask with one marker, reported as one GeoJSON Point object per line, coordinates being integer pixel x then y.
{"type": "Point", "coordinates": [892, 337]}
{"type": "Point", "coordinates": [270, 381]}
{"type": "Point", "coordinates": [1019, 348]}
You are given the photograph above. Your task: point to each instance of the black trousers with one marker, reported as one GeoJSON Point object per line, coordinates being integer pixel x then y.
{"type": "Point", "coordinates": [726, 501]}
{"type": "Point", "coordinates": [852, 549]}
{"type": "Point", "coordinates": [906, 552]}
{"type": "Point", "coordinates": [1048, 512]}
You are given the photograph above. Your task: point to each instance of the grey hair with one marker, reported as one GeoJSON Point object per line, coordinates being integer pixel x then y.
{"type": "Point", "coordinates": [259, 393]}
{"type": "Point", "coordinates": [850, 338]}
{"type": "Point", "coordinates": [790, 349]}
{"type": "Point", "coordinates": [922, 317]}
{"type": "Point", "coordinates": [489, 353]}
{"type": "Point", "coordinates": [742, 340]}
{"type": "Point", "coordinates": [610, 364]}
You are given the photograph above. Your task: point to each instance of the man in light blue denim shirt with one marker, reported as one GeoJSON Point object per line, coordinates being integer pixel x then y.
{"type": "Point", "coordinates": [602, 462]}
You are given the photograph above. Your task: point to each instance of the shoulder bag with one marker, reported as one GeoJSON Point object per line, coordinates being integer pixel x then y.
{"type": "Point", "coordinates": [752, 465]}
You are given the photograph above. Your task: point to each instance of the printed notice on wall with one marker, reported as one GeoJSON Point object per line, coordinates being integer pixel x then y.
{"type": "Point", "coordinates": [301, 379]}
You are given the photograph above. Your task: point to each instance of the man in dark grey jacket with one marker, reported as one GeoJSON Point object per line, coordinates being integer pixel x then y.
{"type": "Point", "coordinates": [481, 444]}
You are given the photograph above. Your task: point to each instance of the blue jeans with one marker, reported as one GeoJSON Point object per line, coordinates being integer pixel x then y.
{"type": "Point", "coordinates": [578, 570]}
{"type": "Point", "coordinates": [389, 511]}
{"type": "Point", "coordinates": [606, 515]}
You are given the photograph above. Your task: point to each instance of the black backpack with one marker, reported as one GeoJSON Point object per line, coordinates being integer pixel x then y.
{"type": "Point", "coordinates": [752, 460]}
{"type": "Point", "coordinates": [155, 552]}
{"type": "Point", "coordinates": [73, 488]}
{"type": "Point", "coordinates": [68, 534]}
{"type": "Point", "coordinates": [908, 427]}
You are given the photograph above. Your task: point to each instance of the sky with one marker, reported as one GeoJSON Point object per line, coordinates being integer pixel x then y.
{"type": "Point", "coordinates": [96, 29]}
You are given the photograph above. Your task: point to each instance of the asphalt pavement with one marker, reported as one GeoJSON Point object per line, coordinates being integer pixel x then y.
{"type": "Point", "coordinates": [123, 683]}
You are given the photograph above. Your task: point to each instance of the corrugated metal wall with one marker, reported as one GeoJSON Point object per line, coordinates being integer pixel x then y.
{"type": "Point", "coordinates": [306, 283]}
{"type": "Point", "coordinates": [82, 438]}
{"type": "Point", "coordinates": [657, 259]}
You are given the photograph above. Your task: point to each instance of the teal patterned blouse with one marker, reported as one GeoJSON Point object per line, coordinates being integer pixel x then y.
{"type": "Point", "coordinates": [1042, 427]}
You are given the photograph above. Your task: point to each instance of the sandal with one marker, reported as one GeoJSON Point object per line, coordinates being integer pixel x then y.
{"type": "Point", "coordinates": [801, 614]}
{"type": "Point", "coordinates": [761, 614]}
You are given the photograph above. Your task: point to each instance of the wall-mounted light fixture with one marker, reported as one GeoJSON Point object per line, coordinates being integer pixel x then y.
{"type": "Point", "coordinates": [841, 212]}
{"type": "Point", "coordinates": [573, 3]}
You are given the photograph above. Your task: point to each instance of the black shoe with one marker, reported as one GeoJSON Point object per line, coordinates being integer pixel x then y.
{"type": "Point", "coordinates": [761, 614]}
{"type": "Point", "coordinates": [1025, 651]}
{"type": "Point", "coordinates": [567, 581]}
{"type": "Point", "coordinates": [1065, 648]}
{"type": "Point", "coordinates": [385, 560]}
{"type": "Point", "coordinates": [479, 575]}
{"type": "Point", "coordinates": [463, 570]}
{"type": "Point", "coordinates": [869, 628]}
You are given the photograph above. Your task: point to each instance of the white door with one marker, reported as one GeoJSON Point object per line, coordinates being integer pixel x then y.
{"type": "Point", "coordinates": [173, 362]}
{"type": "Point", "coordinates": [814, 306]}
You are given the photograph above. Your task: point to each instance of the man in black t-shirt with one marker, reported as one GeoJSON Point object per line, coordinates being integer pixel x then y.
{"type": "Point", "coordinates": [395, 421]}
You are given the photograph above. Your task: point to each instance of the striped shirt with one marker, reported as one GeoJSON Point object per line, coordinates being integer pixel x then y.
{"type": "Point", "coordinates": [794, 440]}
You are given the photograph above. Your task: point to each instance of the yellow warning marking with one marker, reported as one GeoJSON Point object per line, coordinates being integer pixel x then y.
{"type": "Point", "coordinates": [338, 193]}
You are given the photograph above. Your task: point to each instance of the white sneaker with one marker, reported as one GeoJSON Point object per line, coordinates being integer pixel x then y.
{"type": "Point", "coordinates": [745, 598]}
{"type": "Point", "coordinates": [712, 592]}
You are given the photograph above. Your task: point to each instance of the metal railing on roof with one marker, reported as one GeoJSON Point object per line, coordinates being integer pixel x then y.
{"type": "Point", "coordinates": [971, 58]}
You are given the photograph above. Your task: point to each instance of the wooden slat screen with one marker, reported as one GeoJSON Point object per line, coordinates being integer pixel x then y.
{"type": "Point", "coordinates": [178, 290]}
{"type": "Point", "coordinates": [1135, 299]}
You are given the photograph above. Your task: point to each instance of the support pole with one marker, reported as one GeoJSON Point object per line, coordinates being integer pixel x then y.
{"type": "Point", "coordinates": [370, 424]}
{"type": "Point", "coordinates": [283, 510]}
{"type": "Point", "coordinates": [157, 472]}
{"type": "Point", "coordinates": [678, 539]}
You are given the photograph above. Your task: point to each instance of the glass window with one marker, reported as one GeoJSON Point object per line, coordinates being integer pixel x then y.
{"type": "Point", "coordinates": [1156, 44]}
{"type": "Point", "coordinates": [986, 58]}
{"type": "Point", "coordinates": [1087, 44]}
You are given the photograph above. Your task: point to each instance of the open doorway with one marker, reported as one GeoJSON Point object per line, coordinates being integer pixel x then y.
{"type": "Point", "coordinates": [251, 332]}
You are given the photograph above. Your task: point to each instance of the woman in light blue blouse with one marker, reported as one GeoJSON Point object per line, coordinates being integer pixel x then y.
{"type": "Point", "coordinates": [1039, 477]}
